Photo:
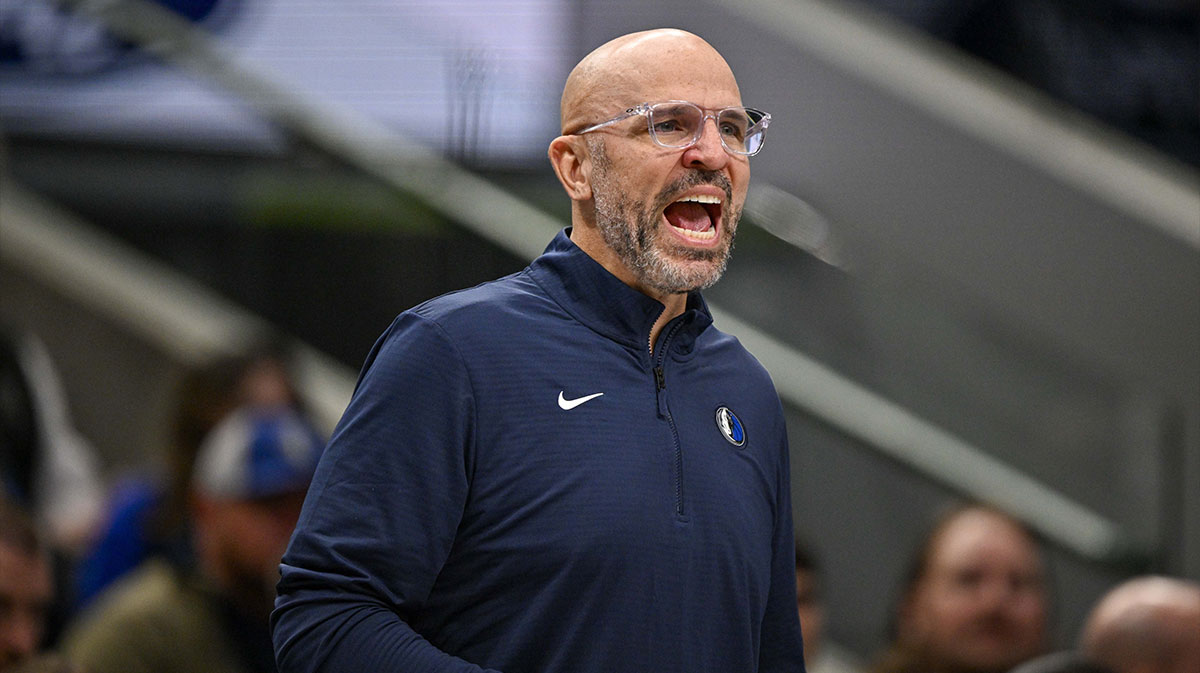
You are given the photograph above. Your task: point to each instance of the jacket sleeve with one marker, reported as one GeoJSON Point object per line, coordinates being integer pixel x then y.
{"type": "Point", "coordinates": [781, 649]}
{"type": "Point", "coordinates": [381, 514]}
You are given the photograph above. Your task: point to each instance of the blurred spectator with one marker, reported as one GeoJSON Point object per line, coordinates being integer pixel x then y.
{"type": "Point", "coordinates": [248, 485]}
{"type": "Point", "coordinates": [149, 517]}
{"type": "Point", "coordinates": [46, 465]}
{"type": "Point", "coordinates": [26, 586]}
{"type": "Point", "coordinates": [974, 599]}
{"type": "Point", "coordinates": [1146, 625]}
{"type": "Point", "coordinates": [44, 663]}
{"type": "Point", "coordinates": [819, 656]}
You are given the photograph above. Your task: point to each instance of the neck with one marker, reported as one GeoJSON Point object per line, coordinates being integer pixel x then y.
{"type": "Point", "coordinates": [675, 304]}
{"type": "Point", "coordinates": [587, 236]}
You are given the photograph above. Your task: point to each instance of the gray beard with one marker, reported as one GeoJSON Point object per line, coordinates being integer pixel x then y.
{"type": "Point", "coordinates": [635, 236]}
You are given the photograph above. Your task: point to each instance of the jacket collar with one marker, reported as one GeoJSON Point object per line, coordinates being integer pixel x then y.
{"type": "Point", "coordinates": [600, 300]}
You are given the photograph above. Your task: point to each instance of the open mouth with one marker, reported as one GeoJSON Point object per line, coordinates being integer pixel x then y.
{"type": "Point", "coordinates": [695, 216]}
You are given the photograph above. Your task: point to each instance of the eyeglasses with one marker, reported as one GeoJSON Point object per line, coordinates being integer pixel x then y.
{"type": "Point", "coordinates": [678, 124]}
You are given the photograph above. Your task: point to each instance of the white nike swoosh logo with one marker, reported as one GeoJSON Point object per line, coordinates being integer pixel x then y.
{"type": "Point", "coordinates": [568, 405]}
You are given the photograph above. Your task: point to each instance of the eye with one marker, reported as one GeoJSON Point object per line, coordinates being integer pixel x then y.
{"type": "Point", "coordinates": [1022, 583]}
{"type": "Point", "coordinates": [673, 122]}
{"type": "Point", "coordinates": [967, 578]}
{"type": "Point", "coordinates": [734, 124]}
{"type": "Point", "coordinates": [667, 125]}
{"type": "Point", "coordinates": [733, 129]}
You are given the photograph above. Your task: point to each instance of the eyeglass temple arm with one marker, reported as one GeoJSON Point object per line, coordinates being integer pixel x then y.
{"type": "Point", "coordinates": [631, 112]}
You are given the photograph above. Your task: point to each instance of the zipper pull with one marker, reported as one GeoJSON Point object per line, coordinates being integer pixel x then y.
{"type": "Point", "coordinates": [660, 384]}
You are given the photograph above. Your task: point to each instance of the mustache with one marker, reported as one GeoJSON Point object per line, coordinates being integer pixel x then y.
{"type": "Point", "coordinates": [994, 622]}
{"type": "Point", "coordinates": [694, 178]}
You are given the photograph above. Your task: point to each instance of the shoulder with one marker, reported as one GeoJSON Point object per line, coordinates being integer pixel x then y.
{"type": "Point", "coordinates": [492, 299]}
{"type": "Point", "coordinates": [435, 345]}
{"type": "Point", "coordinates": [470, 319]}
{"type": "Point", "coordinates": [149, 588]}
{"type": "Point", "coordinates": [721, 349]}
{"type": "Point", "coordinates": [148, 614]}
{"type": "Point", "coordinates": [737, 375]}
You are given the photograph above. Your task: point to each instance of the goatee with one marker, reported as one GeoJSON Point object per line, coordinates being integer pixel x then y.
{"type": "Point", "coordinates": [658, 263]}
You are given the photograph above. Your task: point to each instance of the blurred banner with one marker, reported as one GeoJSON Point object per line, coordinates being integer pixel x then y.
{"type": "Point", "coordinates": [479, 79]}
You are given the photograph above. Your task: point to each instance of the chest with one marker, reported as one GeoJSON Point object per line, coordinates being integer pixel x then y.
{"type": "Point", "coordinates": [583, 445]}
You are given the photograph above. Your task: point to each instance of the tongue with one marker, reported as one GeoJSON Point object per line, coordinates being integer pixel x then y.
{"type": "Point", "coordinates": [690, 216]}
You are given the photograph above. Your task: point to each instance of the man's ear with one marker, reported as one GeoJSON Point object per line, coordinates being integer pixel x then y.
{"type": "Point", "coordinates": [569, 157]}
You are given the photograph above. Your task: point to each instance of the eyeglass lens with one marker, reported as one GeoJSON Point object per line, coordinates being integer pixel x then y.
{"type": "Point", "coordinates": [680, 125]}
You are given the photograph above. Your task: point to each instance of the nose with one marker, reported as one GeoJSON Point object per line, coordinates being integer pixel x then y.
{"type": "Point", "coordinates": [707, 152]}
{"type": "Point", "coordinates": [998, 594]}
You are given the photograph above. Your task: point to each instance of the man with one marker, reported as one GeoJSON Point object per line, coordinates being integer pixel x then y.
{"type": "Point", "coordinates": [1146, 625]}
{"type": "Point", "coordinates": [569, 470]}
{"type": "Point", "coordinates": [210, 614]}
{"type": "Point", "coordinates": [151, 516]}
{"type": "Point", "coordinates": [975, 601]}
{"type": "Point", "coordinates": [26, 586]}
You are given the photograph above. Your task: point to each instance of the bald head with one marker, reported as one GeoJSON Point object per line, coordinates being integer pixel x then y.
{"type": "Point", "coordinates": [1146, 624]}
{"type": "Point", "coordinates": [637, 68]}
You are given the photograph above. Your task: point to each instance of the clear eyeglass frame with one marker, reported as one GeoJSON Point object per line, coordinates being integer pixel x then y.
{"type": "Point", "coordinates": [753, 136]}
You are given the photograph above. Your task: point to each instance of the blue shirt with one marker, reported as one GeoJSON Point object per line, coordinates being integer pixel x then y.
{"type": "Point", "coordinates": [520, 485]}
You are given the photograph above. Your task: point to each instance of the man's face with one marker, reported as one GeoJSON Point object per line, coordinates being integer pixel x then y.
{"type": "Point", "coordinates": [654, 206]}
{"type": "Point", "coordinates": [249, 538]}
{"type": "Point", "coordinates": [26, 589]}
{"type": "Point", "coordinates": [981, 606]}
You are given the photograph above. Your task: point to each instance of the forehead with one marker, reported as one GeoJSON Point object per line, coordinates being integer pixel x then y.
{"type": "Point", "coordinates": [977, 539]}
{"type": "Point", "coordinates": [670, 71]}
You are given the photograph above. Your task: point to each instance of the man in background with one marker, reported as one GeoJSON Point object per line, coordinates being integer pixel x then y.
{"type": "Point", "coordinates": [975, 600]}
{"type": "Point", "coordinates": [26, 586]}
{"type": "Point", "coordinates": [1146, 625]}
{"type": "Point", "coordinates": [209, 614]}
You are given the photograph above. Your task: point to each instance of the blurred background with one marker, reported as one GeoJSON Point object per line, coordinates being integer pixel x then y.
{"type": "Point", "coordinates": [970, 258]}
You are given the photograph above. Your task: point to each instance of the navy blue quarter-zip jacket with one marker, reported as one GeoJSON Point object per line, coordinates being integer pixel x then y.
{"type": "Point", "coordinates": [520, 484]}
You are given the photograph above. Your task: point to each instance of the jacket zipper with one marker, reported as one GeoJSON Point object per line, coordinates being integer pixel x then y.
{"type": "Point", "coordinates": [664, 411]}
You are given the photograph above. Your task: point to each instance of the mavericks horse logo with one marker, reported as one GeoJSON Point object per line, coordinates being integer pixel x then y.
{"type": "Point", "coordinates": [730, 427]}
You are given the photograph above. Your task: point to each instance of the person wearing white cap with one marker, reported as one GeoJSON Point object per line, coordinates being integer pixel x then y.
{"type": "Point", "coordinates": [210, 614]}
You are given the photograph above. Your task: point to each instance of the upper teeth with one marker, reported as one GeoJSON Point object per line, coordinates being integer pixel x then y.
{"type": "Point", "coordinates": [700, 198]}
